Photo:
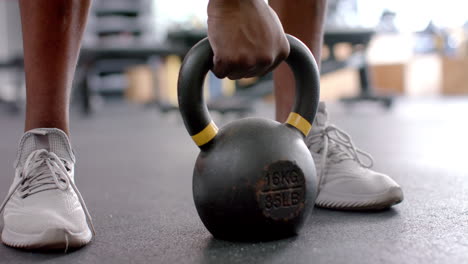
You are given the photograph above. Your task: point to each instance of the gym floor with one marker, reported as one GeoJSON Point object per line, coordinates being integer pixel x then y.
{"type": "Point", "coordinates": [135, 166]}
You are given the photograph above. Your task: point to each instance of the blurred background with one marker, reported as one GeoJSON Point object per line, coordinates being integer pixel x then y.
{"type": "Point", "coordinates": [378, 51]}
{"type": "Point", "coordinates": [394, 75]}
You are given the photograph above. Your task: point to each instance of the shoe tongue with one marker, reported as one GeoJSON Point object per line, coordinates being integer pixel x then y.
{"type": "Point", "coordinates": [321, 119]}
{"type": "Point", "coordinates": [50, 139]}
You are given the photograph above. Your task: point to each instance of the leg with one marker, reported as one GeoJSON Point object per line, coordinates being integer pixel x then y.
{"type": "Point", "coordinates": [52, 31]}
{"type": "Point", "coordinates": [304, 20]}
{"type": "Point", "coordinates": [346, 181]}
{"type": "Point", "coordinates": [44, 208]}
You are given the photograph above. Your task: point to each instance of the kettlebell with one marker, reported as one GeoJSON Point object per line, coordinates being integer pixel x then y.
{"type": "Point", "coordinates": [254, 179]}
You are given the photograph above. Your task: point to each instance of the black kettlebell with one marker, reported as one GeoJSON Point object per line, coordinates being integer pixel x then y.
{"type": "Point", "coordinates": [255, 178]}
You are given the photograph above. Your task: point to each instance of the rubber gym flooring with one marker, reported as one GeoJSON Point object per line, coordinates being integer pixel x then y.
{"type": "Point", "coordinates": [134, 170]}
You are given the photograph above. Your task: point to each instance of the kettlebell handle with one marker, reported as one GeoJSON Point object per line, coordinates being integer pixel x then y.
{"type": "Point", "coordinates": [199, 61]}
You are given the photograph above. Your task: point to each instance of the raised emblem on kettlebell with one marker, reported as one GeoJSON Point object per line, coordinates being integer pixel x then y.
{"type": "Point", "coordinates": [281, 191]}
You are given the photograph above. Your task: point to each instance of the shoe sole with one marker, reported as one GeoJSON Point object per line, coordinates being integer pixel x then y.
{"type": "Point", "coordinates": [386, 200]}
{"type": "Point", "coordinates": [50, 239]}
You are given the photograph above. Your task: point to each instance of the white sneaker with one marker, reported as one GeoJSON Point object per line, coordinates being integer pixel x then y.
{"type": "Point", "coordinates": [346, 182]}
{"type": "Point", "coordinates": [43, 208]}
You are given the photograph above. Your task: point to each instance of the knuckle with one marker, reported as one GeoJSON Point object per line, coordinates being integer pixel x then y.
{"type": "Point", "coordinates": [242, 60]}
{"type": "Point", "coordinates": [251, 63]}
{"type": "Point", "coordinates": [235, 76]}
{"type": "Point", "coordinates": [265, 60]}
{"type": "Point", "coordinates": [285, 49]}
{"type": "Point", "coordinates": [219, 74]}
{"type": "Point", "coordinates": [283, 54]}
{"type": "Point", "coordinates": [218, 59]}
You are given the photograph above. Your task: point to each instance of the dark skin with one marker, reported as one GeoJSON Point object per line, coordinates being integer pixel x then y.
{"type": "Point", "coordinates": [52, 32]}
{"type": "Point", "coordinates": [304, 19]}
{"type": "Point", "coordinates": [247, 38]}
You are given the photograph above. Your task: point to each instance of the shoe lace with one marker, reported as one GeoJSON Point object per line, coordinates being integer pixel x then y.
{"type": "Point", "coordinates": [42, 171]}
{"type": "Point", "coordinates": [336, 145]}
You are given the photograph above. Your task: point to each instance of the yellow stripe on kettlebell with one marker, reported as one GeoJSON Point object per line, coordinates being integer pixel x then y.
{"type": "Point", "coordinates": [206, 135]}
{"type": "Point", "coordinates": [297, 121]}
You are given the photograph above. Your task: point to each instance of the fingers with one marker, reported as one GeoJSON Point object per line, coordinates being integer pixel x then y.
{"type": "Point", "coordinates": [260, 68]}
{"type": "Point", "coordinates": [275, 64]}
{"type": "Point", "coordinates": [244, 66]}
{"type": "Point", "coordinates": [280, 58]}
{"type": "Point", "coordinates": [238, 66]}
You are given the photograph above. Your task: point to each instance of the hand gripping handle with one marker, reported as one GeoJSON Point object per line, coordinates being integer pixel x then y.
{"type": "Point", "coordinates": [199, 61]}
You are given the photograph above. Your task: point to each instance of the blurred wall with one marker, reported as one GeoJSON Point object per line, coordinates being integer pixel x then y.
{"type": "Point", "coordinates": [10, 29]}
{"type": "Point", "coordinates": [10, 44]}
